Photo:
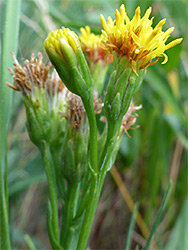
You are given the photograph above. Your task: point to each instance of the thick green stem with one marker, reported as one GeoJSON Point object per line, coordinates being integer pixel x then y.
{"type": "Point", "coordinates": [4, 241]}
{"type": "Point", "coordinates": [89, 213]}
{"type": "Point", "coordinates": [50, 173]}
{"type": "Point", "coordinates": [68, 215]}
{"type": "Point", "coordinates": [93, 133]}
{"type": "Point", "coordinates": [95, 190]}
{"type": "Point", "coordinates": [96, 187]}
{"type": "Point", "coordinates": [112, 134]}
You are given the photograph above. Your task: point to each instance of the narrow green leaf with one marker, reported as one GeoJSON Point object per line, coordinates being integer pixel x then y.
{"type": "Point", "coordinates": [131, 228]}
{"type": "Point", "coordinates": [158, 84]}
{"type": "Point", "coordinates": [158, 217]}
{"type": "Point", "coordinates": [29, 242]}
{"type": "Point", "coordinates": [9, 44]}
{"type": "Point", "coordinates": [178, 237]}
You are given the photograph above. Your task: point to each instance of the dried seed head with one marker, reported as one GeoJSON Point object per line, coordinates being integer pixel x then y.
{"type": "Point", "coordinates": [76, 114]}
{"type": "Point", "coordinates": [34, 74]}
{"type": "Point", "coordinates": [129, 118]}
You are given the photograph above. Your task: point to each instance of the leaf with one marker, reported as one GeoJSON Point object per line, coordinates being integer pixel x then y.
{"type": "Point", "coordinates": [159, 84]}
{"type": "Point", "coordinates": [131, 227]}
{"type": "Point", "coordinates": [158, 217]}
{"type": "Point", "coordinates": [10, 38]}
{"type": "Point", "coordinates": [178, 238]}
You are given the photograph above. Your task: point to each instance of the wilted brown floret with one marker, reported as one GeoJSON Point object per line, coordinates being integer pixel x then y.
{"type": "Point", "coordinates": [76, 113]}
{"type": "Point", "coordinates": [34, 74]}
{"type": "Point", "coordinates": [130, 117]}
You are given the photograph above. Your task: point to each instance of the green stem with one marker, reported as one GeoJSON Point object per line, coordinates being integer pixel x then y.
{"type": "Point", "coordinates": [4, 238]}
{"type": "Point", "coordinates": [50, 172]}
{"type": "Point", "coordinates": [93, 133]}
{"type": "Point", "coordinates": [109, 146]}
{"type": "Point", "coordinates": [95, 190]}
{"type": "Point", "coordinates": [69, 210]}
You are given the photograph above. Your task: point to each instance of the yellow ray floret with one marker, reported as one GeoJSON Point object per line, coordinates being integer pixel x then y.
{"type": "Point", "coordinates": [89, 40]}
{"type": "Point", "coordinates": [61, 35]}
{"type": "Point", "coordinates": [91, 45]}
{"type": "Point", "coordinates": [136, 38]}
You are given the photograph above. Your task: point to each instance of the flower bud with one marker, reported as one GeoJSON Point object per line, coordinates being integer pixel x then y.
{"type": "Point", "coordinates": [43, 98]}
{"type": "Point", "coordinates": [74, 158]}
{"type": "Point", "coordinates": [123, 83]}
{"type": "Point", "coordinates": [65, 53]}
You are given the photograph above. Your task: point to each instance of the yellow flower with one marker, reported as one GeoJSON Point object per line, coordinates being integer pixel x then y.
{"type": "Point", "coordinates": [64, 43]}
{"type": "Point", "coordinates": [91, 45]}
{"type": "Point", "coordinates": [89, 40]}
{"type": "Point", "coordinates": [136, 38]}
{"type": "Point", "coordinates": [55, 38]}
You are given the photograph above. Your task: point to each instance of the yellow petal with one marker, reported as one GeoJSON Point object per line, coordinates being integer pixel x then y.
{"type": "Point", "coordinates": [160, 24]}
{"type": "Point", "coordinates": [88, 30]}
{"type": "Point", "coordinates": [135, 38]}
{"type": "Point", "coordinates": [167, 33]}
{"type": "Point", "coordinates": [136, 17]}
{"type": "Point", "coordinates": [147, 14]}
{"type": "Point", "coordinates": [173, 43]}
{"type": "Point", "coordinates": [104, 24]}
{"type": "Point", "coordinates": [165, 58]}
{"type": "Point", "coordinates": [117, 17]}
{"type": "Point", "coordinates": [122, 13]}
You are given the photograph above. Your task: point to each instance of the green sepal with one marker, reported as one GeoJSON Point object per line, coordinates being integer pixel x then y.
{"type": "Point", "coordinates": [128, 95]}
{"type": "Point", "coordinates": [121, 66]}
{"type": "Point", "coordinates": [121, 82]}
{"type": "Point", "coordinates": [83, 66]}
{"type": "Point", "coordinates": [139, 80]}
{"type": "Point", "coordinates": [109, 92]}
{"type": "Point", "coordinates": [60, 65]}
{"type": "Point", "coordinates": [115, 61]}
{"type": "Point", "coordinates": [68, 53]}
{"type": "Point", "coordinates": [80, 87]}
{"type": "Point", "coordinates": [80, 149]}
{"type": "Point", "coordinates": [41, 102]}
{"type": "Point", "coordinates": [33, 126]}
{"type": "Point", "coordinates": [57, 128]}
{"type": "Point", "coordinates": [68, 167]}
{"type": "Point", "coordinates": [116, 107]}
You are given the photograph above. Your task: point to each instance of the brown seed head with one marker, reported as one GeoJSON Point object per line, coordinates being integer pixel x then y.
{"type": "Point", "coordinates": [129, 118]}
{"type": "Point", "coordinates": [76, 114]}
{"type": "Point", "coordinates": [34, 74]}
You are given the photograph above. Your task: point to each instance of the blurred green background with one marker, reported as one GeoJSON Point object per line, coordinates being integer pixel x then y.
{"type": "Point", "coordinates": [155, 153]}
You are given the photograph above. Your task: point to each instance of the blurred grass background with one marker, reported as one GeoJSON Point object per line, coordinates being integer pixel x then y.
{"type": "Point", "coordinates": [155, 153]}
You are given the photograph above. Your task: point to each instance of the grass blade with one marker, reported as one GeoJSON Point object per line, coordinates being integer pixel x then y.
{"type": "Point", "coordinates": [160, 86]}
{"type": "Point", "coordinates": [10, 37]}
{"type": "Point", "coordinates": [178, 237]}
{"type": "Point", "coordinates": [131, 228]}
{"type": "Point", "coordinates": [159, 215]}
{"type": "Point", "coordinates": [29, 242]}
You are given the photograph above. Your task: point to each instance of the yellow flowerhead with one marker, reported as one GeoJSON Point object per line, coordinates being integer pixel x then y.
{"type": "Point", "coordinates": [89, 40]}
{"type": "Point", "coordinates": [135, 38]}
{"type": "Point", "coordinates": [64, 43]}
{"type": "Point", "coordinates": [55, 38]}
{"type": "Point", "coordinates": [91, 45]}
